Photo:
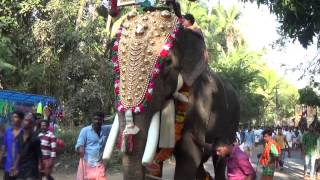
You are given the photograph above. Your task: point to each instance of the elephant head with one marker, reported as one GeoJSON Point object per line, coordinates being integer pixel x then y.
{"type": "Point", "coordinates": [152, 53]}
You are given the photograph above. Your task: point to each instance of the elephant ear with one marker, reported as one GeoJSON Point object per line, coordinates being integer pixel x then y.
{"type": "Point", "coordinates": [191, 55]}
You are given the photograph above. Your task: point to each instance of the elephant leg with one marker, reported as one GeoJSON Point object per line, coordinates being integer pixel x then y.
{"type": "Point", "coordinates": [201, 172]}
{"type": "Point", "coordinates": [188, 158]}
{"type": "Point", "coordinates": [151, 174]}
{"type": "Point", "coordinates": [219, 165]}
{"type": "Point", "coordinates": [132, 169]}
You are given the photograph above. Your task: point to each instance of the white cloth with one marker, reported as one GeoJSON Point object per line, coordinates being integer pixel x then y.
{"type": "Point", "coordinates": [257, 135]}
{"type": "Point", "coordinates": [167, 127]}
{"type": "Point", "coordinates": [238, 136]}
{"type": "Point", "coordinates": [300, 136]}
{"type": "Point", "coordinates": [289, 136]}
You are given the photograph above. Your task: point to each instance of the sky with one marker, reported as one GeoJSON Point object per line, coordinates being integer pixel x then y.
{"type": "Point", "coordinates": [259, 28]}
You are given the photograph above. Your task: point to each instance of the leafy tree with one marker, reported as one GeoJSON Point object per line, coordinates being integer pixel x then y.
{"type": "Point", "coordinates": [62, 48]}
{"type": "Point", "coordinates": [299, 20]}
{"type": "Point", "coordinates": [309, 97]}
{"type": "Point", "coordinates": [217, 25]}
{"type": "Point", "coordinates": [240, 68]}
{"type": "Point", "coordinates": [230, 56]}
{"type": "Point", "coordinates": [45, 50]}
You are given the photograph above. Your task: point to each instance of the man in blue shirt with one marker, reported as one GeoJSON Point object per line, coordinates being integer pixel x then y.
{"type": "Point", "coordinates": [90, 146]}
{"type": "Point", "coordinates": [249, 142]}
{"type": "Point", "coordinates": [10, 145]}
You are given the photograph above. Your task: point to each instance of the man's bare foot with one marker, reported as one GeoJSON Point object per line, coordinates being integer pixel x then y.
{"type": "Point", "coordinates": [306, 177]}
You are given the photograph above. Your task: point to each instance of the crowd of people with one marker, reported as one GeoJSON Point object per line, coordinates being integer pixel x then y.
{"type": "Point", "coordinates": [278, 143]}
{"type": "Point", "coordinates": [28, 148]}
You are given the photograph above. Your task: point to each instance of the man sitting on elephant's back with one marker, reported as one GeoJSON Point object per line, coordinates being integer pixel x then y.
{"type": "Point", "coordinates": [189, 22]}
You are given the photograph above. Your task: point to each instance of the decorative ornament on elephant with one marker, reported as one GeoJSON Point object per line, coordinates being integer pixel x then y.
{"type": "Point", "coordinates": [165, 96]}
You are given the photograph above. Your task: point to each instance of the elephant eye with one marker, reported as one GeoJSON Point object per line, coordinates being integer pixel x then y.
{"type": "Point", "coordinates": [167, 65]}
{"type": "Point", "coordinates": [168, 62]}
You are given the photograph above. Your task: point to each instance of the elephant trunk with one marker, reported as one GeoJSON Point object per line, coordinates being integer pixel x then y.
{"type": "Point", "coordinates": [145, 145]}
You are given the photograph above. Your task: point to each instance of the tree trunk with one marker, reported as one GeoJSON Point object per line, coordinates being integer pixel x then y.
{"type": "Point", "coordinates": [80, 13]}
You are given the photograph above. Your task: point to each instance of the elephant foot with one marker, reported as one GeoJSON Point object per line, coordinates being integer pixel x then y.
{"type": "Point", "coordinates": [150, 177]}
{"type": "Point", "coordinates": [219, 167]}
{"type": "Point", "coordinates": [202, 174]}
{"type": "Point", "coordinates": [154, 170]}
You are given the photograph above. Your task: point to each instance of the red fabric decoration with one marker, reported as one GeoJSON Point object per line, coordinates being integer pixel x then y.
{"type": "Point", "coordinates": [148, 97]}
{"type": "Point", "coordinates": [164, 53]}
{"type": "Point", "coordinates": [115, 48]}
{"type": "Point", "coordinates": [60, 144]}
{"type": "Point", "coordinates": [115, 59]}
{"type": "Point", "coordinates": [114, 8]}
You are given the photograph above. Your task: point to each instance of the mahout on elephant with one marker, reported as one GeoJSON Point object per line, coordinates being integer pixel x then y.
{"type": "Point", "coordinates": [166, 95]}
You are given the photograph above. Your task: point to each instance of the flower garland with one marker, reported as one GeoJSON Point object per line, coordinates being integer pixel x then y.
{"type": "Point", "coordinates": [163, 56]}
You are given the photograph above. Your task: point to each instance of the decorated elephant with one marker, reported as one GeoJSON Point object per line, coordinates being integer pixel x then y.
{"type": "Point", "coordinates": [166, 96]}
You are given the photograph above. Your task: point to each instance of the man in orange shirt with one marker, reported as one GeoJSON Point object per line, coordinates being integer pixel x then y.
{"type": "Point", "coordinates": [269, 155]}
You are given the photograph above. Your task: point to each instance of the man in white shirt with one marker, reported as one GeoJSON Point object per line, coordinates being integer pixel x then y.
{"type": "Point", "coordinates": [285, 131]}
{"type": "Point", "coordinates": [289, 136]}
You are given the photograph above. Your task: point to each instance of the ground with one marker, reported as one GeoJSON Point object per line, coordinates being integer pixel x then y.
{"type": "Point", "coordinates": [293, 169]}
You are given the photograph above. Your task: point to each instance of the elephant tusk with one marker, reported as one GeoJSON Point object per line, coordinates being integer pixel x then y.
{"type": "Point", "coordinates": [112, 138]}
{"type": "Point", "coordinates": [167, 128]}
{"type": "Point", "coordinates": [152, 140]}
{"type": "Point", "coordinates": [178, 95]}
{"type": "Point", "coordinates": [180, 83]}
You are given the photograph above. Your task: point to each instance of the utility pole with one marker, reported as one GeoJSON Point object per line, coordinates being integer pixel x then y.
{"type": "Point", "coordinates": [277, 104]}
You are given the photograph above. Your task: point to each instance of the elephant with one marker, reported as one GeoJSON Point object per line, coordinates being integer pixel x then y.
{"type": "Point", "coordinates": [213, 110]}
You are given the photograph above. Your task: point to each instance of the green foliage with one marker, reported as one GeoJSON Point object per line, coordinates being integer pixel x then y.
{"type": "Point", "coordinates": [257, 85]}
{"type": "Point", "coordinates": [309, 97]}
{"type": "Point", "coordinates": [70, 136]}
{"type": "Point", "coordinates": [218, 27]}
{"type": "Point", "coordinates": [59, 48]}
{"type": "Point", "coordinates": [239, 68]}
{"type": "Point", "coordinates": [45, 50]}
{"type": "Point", "coordinates": [299, 19]}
